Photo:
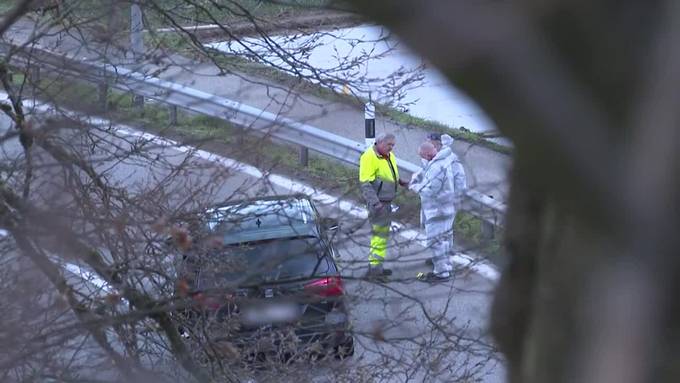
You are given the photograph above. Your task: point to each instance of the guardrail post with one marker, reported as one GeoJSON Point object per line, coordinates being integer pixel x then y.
{"type": "Point", "coordinates": [103, 96]}
{"type": "Point", "coordinates": [137, 101]}
{"type": "Point", "coordinates": [35, 73]}
{"type": "Point", "coordinates": [173, 114]}
{"type": "Point", "coordinates": [488, 231]}
{"type": "Point", "coordinates": [103, 92]}
{"type": "Point", "coordinates": [304, 156]}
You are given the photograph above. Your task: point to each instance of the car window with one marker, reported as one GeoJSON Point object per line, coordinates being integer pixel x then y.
{"type": "Point", "coordinates": [265, 261]}
{"type": "Point", "coordinates": [260, 215]}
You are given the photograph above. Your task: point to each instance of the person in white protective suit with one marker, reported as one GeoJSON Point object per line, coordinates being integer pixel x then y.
{"type": "Point", "coordinates": [440, 185]}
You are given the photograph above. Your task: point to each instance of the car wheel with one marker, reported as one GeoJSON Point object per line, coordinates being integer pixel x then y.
{"type": "Point", "coordinates": [345, 349]}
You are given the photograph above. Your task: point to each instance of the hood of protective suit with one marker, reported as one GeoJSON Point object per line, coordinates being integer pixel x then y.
{"type": "Point", "coordinates": [445, 152]}
{"type": "Point", "coordinates": [447, 140]}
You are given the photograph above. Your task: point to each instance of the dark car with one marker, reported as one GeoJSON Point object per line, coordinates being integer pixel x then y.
{"type": "Point", "coordinates": [265, 281]}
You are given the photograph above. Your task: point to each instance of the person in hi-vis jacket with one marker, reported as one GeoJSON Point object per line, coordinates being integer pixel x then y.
{"type": "Point", "coordinates": [379, 178]}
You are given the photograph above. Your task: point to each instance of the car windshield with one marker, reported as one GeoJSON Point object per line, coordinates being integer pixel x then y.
{"type": "Point", "coordinates": [260, 220]}
{"type": "Point", "coordinates": [264, 261]}
{"type": "Point", "coordinates": [256, 215]}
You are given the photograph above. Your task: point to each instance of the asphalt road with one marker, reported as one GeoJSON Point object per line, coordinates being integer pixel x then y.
{"type": "Point", "coordinates": [395, 324]}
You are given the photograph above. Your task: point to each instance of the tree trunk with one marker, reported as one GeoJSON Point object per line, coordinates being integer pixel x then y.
{"type": "Point", "coordinates": [588, 93]}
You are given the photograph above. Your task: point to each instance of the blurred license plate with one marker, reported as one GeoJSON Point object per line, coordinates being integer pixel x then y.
{"type": "Point", "coordinates": [259, 314]}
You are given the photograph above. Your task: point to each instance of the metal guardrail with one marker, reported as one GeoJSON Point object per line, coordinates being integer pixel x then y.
{"type": "Point", "coordinates": [256, 120]}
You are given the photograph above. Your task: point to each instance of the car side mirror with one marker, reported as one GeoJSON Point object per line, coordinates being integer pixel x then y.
{"type": "Point", "coordinates": [330, 224]}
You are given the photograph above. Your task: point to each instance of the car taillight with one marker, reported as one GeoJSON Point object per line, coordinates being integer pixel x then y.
{"type": "Point", "coordinates": [205, 301]}
{"type": "Point", "coordinates": [325, 287]}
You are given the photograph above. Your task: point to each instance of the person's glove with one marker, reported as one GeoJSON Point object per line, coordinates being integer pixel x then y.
{"type": "Point", "coordinates": [416, 181]}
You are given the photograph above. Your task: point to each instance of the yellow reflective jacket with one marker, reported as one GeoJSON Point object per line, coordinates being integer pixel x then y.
{"type": "Point", "coordinates": [378, 179]}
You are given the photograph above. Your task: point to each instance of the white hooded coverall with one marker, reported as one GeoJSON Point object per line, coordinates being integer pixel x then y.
{"type": "Point", "coordinates": [440, 184]}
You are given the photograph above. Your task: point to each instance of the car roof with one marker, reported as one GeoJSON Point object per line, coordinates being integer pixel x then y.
{"type": "Point", "coordinates": [263, 219]}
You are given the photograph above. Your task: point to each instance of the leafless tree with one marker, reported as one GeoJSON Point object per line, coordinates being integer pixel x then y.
{"type": "Point", "coordinates": [97, 218]}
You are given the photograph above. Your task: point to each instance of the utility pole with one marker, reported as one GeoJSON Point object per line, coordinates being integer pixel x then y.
{"type": "Point", "coordinates": [137, 43]}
